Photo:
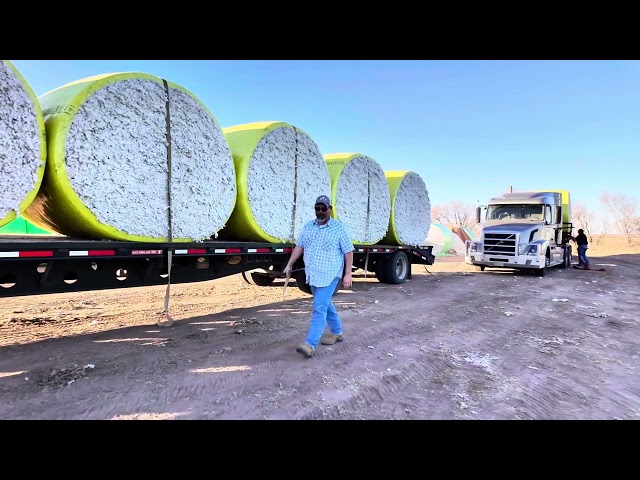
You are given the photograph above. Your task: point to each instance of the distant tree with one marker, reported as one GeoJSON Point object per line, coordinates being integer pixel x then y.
{"type": "Point", "coordinates": [584, 219]}
{"type": "Point", "coordinates": [623, 209]}
{"type": "Point", "coordinates": [600, 233]}
{"type": "Point", "coordinates": [455, 213]}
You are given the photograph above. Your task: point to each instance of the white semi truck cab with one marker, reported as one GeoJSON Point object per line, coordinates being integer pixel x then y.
{"type": "Point", "coordinates": [523, 231]}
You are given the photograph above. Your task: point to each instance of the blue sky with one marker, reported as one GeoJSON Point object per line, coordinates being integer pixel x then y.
{"type": "Point", "coordinates": [471, 129]}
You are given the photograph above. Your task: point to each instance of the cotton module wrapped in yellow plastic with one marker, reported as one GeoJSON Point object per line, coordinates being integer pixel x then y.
{"type": "Point", "coordinates": [23, 148]}
{"type": "Point", "coordinates": [133, 157]}
{"type": "Point", "coordinates": [280, 172]}
{"type": "Point", "coordinates": [360, 196]}
{"type": "Point", "coordinates": [410, 217]}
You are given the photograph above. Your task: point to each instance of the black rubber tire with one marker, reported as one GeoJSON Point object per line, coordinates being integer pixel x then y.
{"type": "Point", "coordinates": [566, 263]}
{"type": "Point", "coordinates": [379, 270]}
{"type": "Point", "coordinates": [301, 282]}
{"type": "Point", "coordinates": [262, 280]}
{"type": "Point", "coordinates": [543, 271]}
{"type": "Point", "coordinates": [396, 268]}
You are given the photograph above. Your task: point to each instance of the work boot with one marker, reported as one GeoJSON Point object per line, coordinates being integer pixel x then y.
{"type": "Point", "coordinates": [305, 350]}
{"type": "Point", "coordinates": [330, 339]}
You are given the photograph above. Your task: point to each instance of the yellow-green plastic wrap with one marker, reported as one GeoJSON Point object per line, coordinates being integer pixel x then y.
{"type": "Point", "coordinates": [59, 207]}
{"type": "Point", "coordinates": [360, 196]}
{"type": "Point", "coordinates": [410, 218]}
{"type": "Point", "coordinates": [37, 153]}
{"type": "Point", "coordinates": [280, 172]}
{"type": "Point", "coordinates": [336, 163]}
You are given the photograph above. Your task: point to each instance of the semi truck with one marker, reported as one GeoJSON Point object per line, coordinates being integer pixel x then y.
{"type": "Point", "coordinates": [43, 264]}
{"type": "Point", "coordinates": [527, 231]}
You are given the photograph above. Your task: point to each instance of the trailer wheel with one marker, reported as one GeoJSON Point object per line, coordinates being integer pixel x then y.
{"type": "Point", "coordinates": [262, 279]}
{"type": "Point", "coordinates": [396, 268]}
{"type": "Point", "coordinates": [301, 282]}
{"type": "Point", "coordinates": [379, 270]}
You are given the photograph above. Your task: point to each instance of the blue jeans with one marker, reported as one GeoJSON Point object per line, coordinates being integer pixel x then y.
{"type": "Point", "coordinates": [582, 256]}
{"type": "Point", "coordinates": [324, 313]}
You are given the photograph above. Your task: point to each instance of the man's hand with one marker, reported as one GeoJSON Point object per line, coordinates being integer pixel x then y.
{"type": "Point", "coordinates": [346, 281]}
{"type": "Point", "coordinates": [287, 270]}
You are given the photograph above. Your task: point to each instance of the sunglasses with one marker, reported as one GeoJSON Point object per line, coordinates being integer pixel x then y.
{"type": "Point", "coordinates": [321, 209]}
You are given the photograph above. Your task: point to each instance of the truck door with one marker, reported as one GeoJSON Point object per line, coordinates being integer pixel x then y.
{"type": "Point", "coordinates": [550, 234]}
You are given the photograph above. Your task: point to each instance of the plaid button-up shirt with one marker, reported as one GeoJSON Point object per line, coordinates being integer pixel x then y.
{"type": "Point", "coordinates": [324, 249]}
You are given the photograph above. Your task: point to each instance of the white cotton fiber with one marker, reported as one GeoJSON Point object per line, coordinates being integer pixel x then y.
{"type": "Point", "coordinates": [116, 157]}
{"type": "Point", "coordinates": [313, 180]}
{"type": "Point", "coordinates": [280, 173]}
{"type": "Point", "coordinates": [412, 210]}
{"type": "Point", "coordinates": [380, 202]}
{"type": "Point", "coordinates": [115, 178]}
{"type": "Point", "coordinates": [361, 196]}
{"type": "Point", "coordinates": [22, 145]}
{"type": "Point", "coordinates": [271, 182]}
{"type": "Point", "coordinates": [203, 176]}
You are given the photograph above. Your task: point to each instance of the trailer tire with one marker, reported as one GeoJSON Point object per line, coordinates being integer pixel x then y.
{"type": "Point", "coordinates": [261, 279]}
{"type": "Point", "coordinates": [301, 282]}
{"type": "Point", "coordinates": [396, 268]}
{"type": "Point", "coordinates": [379, 270]}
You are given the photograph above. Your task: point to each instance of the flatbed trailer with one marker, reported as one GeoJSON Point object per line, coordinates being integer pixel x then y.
{"type": "Point", "coordinates": [35, 265]}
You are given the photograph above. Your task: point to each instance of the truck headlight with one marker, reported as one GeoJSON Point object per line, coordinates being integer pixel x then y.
{"type": "Point", "coordinates": [475, 247]}
{"type": "Point", "coordinates": [528, 249]}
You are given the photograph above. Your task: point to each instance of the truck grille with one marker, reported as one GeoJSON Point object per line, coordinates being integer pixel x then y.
{"type": "Point", "coordinates": [500, 243]}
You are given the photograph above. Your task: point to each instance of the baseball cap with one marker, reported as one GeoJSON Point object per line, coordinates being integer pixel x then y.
{"type": "Point", "coordinates": [323, 199]}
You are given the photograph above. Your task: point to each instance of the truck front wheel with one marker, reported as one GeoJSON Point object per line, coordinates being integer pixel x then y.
{"type": "Point", "coordinates": [547, 262]}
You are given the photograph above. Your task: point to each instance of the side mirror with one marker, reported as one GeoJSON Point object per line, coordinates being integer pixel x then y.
{"type": "Point", "coordinates": [478, 209]}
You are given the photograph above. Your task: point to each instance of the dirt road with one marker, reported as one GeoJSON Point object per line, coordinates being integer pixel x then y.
{"type": "Point", "coordinates": [451, 343]}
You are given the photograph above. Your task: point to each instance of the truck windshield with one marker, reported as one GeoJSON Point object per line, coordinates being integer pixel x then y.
{"type": "Point", "coordinates": [515, 212]}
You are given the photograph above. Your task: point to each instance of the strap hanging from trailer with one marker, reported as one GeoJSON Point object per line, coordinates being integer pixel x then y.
{"type": "Point", "coordinates": [295, 187]}
{"type": "Point", "coordinates": [366, 266]}
{"type": "Point", "coordinates": [368, 229]}
{"type": "Point", "coordinates": [169, 320]}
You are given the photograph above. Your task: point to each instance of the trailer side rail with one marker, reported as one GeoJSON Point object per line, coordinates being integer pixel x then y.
{"type": "Point", "coordinates": [30, 266]}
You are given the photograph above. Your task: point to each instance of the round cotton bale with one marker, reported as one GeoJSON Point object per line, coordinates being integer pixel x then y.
{"type": "Point", "coordinates": [108, 174]}
{"type": "Point", "coordinates": [440, 238]}
{"type": "Point", "coordinates": [23, 147]}
{"type": "Point", "coordinates": [360, 196]}
{"type": "Point", "coordinates": [280, 172]}
{"type": "Point", "coordinates": [472, 235]}
{"type": "Point", "coordinates": [410, 217]}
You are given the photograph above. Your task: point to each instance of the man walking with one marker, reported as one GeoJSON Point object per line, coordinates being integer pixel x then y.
{"type": "Point", "coordinates": [328, 251]}
{"type": "Point", "coordinates": [583, 244]}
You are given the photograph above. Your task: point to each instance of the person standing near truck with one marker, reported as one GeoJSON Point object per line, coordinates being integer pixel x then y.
{"type": "Point", "coordinates": [328, 251]}
{"type": "Point", "coordinates": [583, 244]}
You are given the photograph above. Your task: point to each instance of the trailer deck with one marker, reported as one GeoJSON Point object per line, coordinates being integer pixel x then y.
{"type": "Point", "coordinates": [40, 264]}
